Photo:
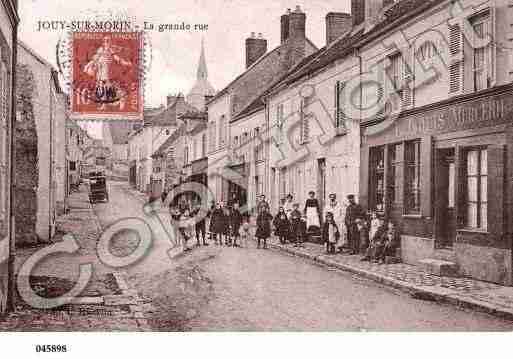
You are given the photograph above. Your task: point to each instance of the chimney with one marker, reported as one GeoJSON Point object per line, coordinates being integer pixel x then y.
{"type": "Point", "coordinates": [297, 24]}
{"type": "Point", "coordinates": [255, 48]}
{"type": "Point", "coordinates": [337, 24]}
{"type": "Point", "coordinates": [285, 26]}
{"type": "Point", "coordinates": [358, 11]}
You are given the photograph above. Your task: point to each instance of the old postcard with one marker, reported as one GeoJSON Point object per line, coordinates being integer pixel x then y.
{"type": "Point", "coordinates": [193, 166]}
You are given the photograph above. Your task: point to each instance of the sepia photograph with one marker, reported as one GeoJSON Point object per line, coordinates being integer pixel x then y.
{"type": "Point", "coordinates": [341, 166]}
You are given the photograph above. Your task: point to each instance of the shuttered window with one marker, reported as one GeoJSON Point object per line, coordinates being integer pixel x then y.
{"type": "Point", "coordinates": [399, 77]}
{"type": "Point", "coordinates": [483, 56]}
{"type": "Point", "coordinates": [340, 103]}
{"type": "Point", "coordinates": [407, 84]}
{"type": "Point", "coordinates": [456, 62]}
{"type": "Point", "coordinates": [280, 121]}
{"type": "Point", "coordinates": [305, 123]}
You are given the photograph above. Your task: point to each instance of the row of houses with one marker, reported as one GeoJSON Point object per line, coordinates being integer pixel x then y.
{"type": "Point", "coordinates": [40, 148]}
{"type": "Point", "coordinates": [50, 148]}
{"type": "Point", "coordinates": [407, 105]}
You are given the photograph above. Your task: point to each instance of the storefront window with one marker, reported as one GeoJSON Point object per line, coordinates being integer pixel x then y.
{"type": "Point", "coordinates": [450, 192]}
{"type": "Point", "coordinates": [377, 171]}
{"type": "Point", "coordinates": [412, 177]}
{"type": "Point", "coordinates": [477, 194]}
{"type": "Point", "coordinates": [393, 182]}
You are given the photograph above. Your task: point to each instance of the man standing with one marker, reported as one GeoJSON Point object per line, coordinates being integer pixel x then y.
{"type": "Point", "coordinates": [353, 212]}
{"type": "Point", "coordinates": [200, 225]}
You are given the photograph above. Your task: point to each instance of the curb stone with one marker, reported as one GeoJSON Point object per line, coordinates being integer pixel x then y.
{"type": "Point", "coordinates": [440, 295]}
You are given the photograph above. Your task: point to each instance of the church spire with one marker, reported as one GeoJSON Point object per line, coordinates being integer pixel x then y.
{"type": "Point", "coordinates": [202, 66]}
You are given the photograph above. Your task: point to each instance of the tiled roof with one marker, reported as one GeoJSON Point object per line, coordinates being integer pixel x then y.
{"type": "Point", "coordinates": [168, 115]}
{"type": "Point", "coordinates": [258, 102]}
{"type": "Point", "coordinates": [339, 49]}
{"type": "Point", "coordinates": [345, 45]}
{"type": "Point", "coordinates": [180, 131]}
{"type": "Point", "coordinates": [196, 115]}
{"type": "Point", "coordinates": [281, 56]}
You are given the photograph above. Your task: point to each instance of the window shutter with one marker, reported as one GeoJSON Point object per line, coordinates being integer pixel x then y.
{"type": "Point", "coordinates": [496, 189]}
{"type": "Point", "coordinates": [305, 126]}
{"type": "Point", "coordinates": [380, 100]}
{"type": "Point", "coordinates": [456, 61]}
{"type": "Point", "coordinates": [493, 49]}
{"type": "Point", "coordinates": [407, 80]}
{"type": "Point", "coordinates": [341, 116]}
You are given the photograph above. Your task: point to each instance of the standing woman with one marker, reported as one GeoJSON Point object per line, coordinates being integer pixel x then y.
{"type": "Point", "coordinates": [313, 212]}
{"type": "Point", "coordinates": [236, 223]}
{"type": "Point", "coordinates": [282, 225]}
{"type": "Point", "coordinates": [338, 211]}
{"type": "Point", "coordinates": [263, 223]}
{"type": "Point", "coordinates": [216, 223]}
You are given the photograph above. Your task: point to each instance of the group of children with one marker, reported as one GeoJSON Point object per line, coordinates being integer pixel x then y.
{"type": "Point", "coordinates": [227, 224]}
{"type": "Point", "coordinates": [376, 238]}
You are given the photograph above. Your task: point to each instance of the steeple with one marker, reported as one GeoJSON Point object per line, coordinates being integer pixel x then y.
{"type": "Point", "coordinates": [202, 88]}
{"type": "Point", "coordinates": [202, 66]}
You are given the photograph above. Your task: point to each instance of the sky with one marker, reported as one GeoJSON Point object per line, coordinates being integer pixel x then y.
{"type": "Point", "coordinates": [175, 54]}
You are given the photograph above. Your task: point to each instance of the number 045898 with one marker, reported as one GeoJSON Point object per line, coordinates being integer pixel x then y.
{"type": "Point", "coordinates": [55, 348]}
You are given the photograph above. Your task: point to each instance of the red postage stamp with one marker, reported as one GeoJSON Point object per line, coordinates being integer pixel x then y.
{"type": "Point", "coordinates": [106, 76]}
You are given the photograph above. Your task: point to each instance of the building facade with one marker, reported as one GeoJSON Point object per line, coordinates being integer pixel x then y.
{"type": "Point", "coordinates": [8, 46]}
{"type": "Point", "coordinates": [227, 177]}
{"type": "Point", "coordinates": [39, 110]}
{"type": "Point", "coordinates": [178, 159]}
{"type": "Point", "coordinates": [61, 120]}
{"type": "Point", "coordinates": [314, 147]}
{"type": "Point", "coordinates": [437, 159]}
{"type": "Point", "coordinates": [159, 124]}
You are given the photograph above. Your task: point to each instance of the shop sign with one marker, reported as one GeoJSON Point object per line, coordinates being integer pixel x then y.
{"type": "Point", "coordinates": [478, 113]}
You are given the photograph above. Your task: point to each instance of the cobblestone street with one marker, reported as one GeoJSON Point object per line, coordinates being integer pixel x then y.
{"type": "Point", "coordinates": [225, 288]}
{"type": "Point", "coordinates": [55, 275]}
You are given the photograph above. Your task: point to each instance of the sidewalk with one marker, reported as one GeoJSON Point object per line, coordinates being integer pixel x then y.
{"type": "Point", "coordinates": [106, 303]}
{"type": "Point", "coordinates": [469, 293]}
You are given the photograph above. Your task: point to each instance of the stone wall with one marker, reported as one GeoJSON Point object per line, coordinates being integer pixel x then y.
{"type": "Point", "coordinates": [25, 205]}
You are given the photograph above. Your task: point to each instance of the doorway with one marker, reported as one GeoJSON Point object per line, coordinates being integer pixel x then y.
{"type": "Point", "coordinates": [445, 197]}
{"type": "Point", "coordinates": [322, 181]}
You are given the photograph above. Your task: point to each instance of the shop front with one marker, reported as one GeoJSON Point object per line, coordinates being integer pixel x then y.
{"type": "Point", "coordinates": [444, 174]}
{"type": "Point", "coordinates": [198, 175]}
{"type": "Point", "coordinates": [237, 184]}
